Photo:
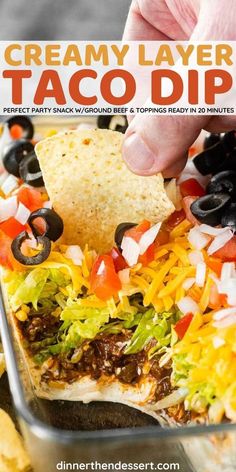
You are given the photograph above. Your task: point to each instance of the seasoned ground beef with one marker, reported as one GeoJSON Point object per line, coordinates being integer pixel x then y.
{"type": "Point", "coordinates": [104, 355]}
{"type": "Point", "coordinates": [37, 328]}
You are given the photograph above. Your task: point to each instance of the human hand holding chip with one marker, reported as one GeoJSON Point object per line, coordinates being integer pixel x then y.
{"type": "Point", "coordinates": [156, 143]}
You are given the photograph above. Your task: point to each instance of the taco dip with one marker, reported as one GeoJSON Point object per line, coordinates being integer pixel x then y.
{"type": "Point", "coordinates": [121, 288]}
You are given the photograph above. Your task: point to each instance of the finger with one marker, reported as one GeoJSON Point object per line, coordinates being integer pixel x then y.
{"type": "Point", "coordinates": [151, 20]}
{"type": "Point", "coordinates": [160, 143]}
{"type": "Point", "coordinates": [175, 168]}
{"type": "Point", "coordinates": [216, 21]}
{"type": "Point", "coordinates": [221, 124]}
{"type": "Point", "coordinates": [186, 13]}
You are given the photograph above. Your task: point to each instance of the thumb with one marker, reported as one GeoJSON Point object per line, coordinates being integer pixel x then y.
{"type": "Point", "coordinates": [155, 144]}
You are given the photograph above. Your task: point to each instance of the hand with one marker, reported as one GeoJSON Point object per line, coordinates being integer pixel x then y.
{"type": "Point", "coordinates": [160, 143]}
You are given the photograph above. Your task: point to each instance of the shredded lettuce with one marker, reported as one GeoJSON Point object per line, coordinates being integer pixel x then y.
{"type": "Point", "coordinates": [51, 286]}
{"type": "Point", "coordinates": [59, 278]}
{"type": "Point", "coordinates": [39, 284]}
{"type": "Point", "coordinates": [30, 289]}
{"type": "Point", "coordinates": [86, 323]}
{"type": "Point", "coordinates": [13, 280]}
{"type": "Point", "coordinates": [201, 394]}
{"type": "Point", "coordinates": [151, 325]}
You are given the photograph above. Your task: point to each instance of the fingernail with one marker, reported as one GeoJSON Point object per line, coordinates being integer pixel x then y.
{"type": "Point", "coordinates": [137, 155]}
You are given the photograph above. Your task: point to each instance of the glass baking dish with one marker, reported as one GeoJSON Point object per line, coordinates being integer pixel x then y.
{"type": "Point", "coordinates": [61, 434]}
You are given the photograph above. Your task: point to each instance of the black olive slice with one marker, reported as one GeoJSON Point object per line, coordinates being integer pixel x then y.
{"type": "Point", "coordinates": [229, 140]}
{"type": "Point", "coordinates": [104, 122]}
{"type": "Point", "coordinates": [229, 217]}
{"type": "Point", "coordinates": [223, 182]}
{"type": "Point", "coordinates": [14, 154]}
{"type": "Point", "coordinates": [209, 160]}
{"type": "Point", "coordinates": [121, 129]}
{"type": "Point", "coordinates": [227, 164]}
{"type": "Point", "coordinates": [210, 208]}
{"type": "Point", "coordinates": [25, 123]}
{"type": "Point", "coordinates": [120, 231]}
{"type": "Point", "coordinates": [30, 171]}
{"type": "Point", "coordinates": [30, 260]}
{"type": "Point", "coordinates": [53, 222]}
{"type": "Point", "coordinates": [210, 140]}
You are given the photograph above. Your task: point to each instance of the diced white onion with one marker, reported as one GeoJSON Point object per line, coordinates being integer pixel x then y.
{"type": "Point", "coordinates": [47, 204]}
{"type": "Point", "coordinates": [187, 305]}
{"type": "Point", "coordinates": [8, 208]}
{"type": "Point", "coordinates": [211, 231]}
{"type": "Point", "coordinates": [3, 177]}
{"type": "Point", "coordinates": [165, 358]}
{"type": "Point", "coordinates": [76, 255]}
{"type": "Point", "coordinates": [191, 172]}
{"type": "Point", "coordinates": [200, 274]}
{"type": "Point", "coordinates": [124, 276]}
{"type": "Point", "coordinates": [228, 287]}
{"type": "Point", "coordinates": [225, 322]}
{"type": "Point", "coordinates": [197, 239]}
{"type": "Point", "coordinates": [218, 342]}
{"type": "Point", "coordinates": [175, 398]}
{"type": "Point", "coordinates": [101, 268]}
{"type": "Point", "coordinates": [10, 184]}
{"type": "Point", "coordinates": [117, 120]}
{"type": "Point", "coordinates": [130, 250]}
{"type": "Point", "coordinates": [31, 242]}
{"type": "Point", "coordinates": [195, 257]}
{"type": "Point", "coordinates": [220, 241]}
{"type": "Point", "coordinates": [149, 237]}
{"type": "Point", "coordinates": [5, 139]}
{"type": "Point", "coordinates": [219, 315]}
{"type": "Point", "coordinates": [188, 283]}
{"type": "Point", "coordinates": [228, 270]}
{"type": "Point", "coordinates": [231, 296]}
{"type": "Point", "coordinates": [22, 214]}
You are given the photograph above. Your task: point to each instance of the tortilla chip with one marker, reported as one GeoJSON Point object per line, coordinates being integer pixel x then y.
{"type": "Point", "coordinates": [13, 457]}
{"type": "Point", "coordinates": [92, 189]}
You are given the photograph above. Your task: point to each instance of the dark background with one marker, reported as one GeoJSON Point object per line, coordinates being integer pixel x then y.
{"type": "Point", "coordinates": [62, 19]}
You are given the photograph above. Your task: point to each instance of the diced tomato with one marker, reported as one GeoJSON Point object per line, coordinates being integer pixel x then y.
{"type": "Point", "coordinates": [6, 257]}
{"type": "Point", "coordinates": [227, 253]}
{"type": "Point", "coordinates": [30, 197]}
{"type": "Point", "coordinates": [104, 280]}
{"type": "Point", "coordinates": [187, 202]}
{"type": "Point", "coordinates": [137, 231]}
{"type": "Point", "coordinates": [16, 132]}
{"type": "Point", "coordinates": [119, 261]}
{"type": "Point", "coordinates": [175, 218]}
{"type": "Point", "coordinates": [192, 151]}
{"type": "Point", "coordinates": [183, 324]}
{"type": "Point", "coordinates": [148, 256]}
{"type": "Point", "coordinates": [215, 265]}
{"type": "Point", "coordinates": [216, 299]}
{"type": "Point", "coordinates": [12, 227]}
{"type": "Point", "coordinates": [191, 187]}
